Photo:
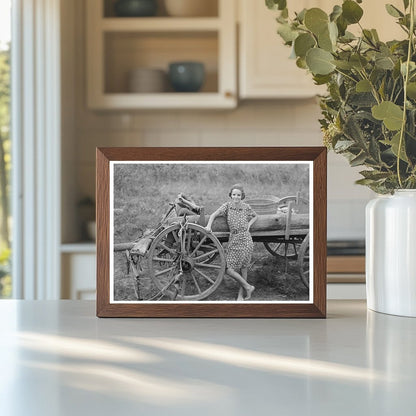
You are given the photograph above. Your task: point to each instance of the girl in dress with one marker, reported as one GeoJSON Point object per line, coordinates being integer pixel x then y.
{"type": "Point", "coordinates": [240, 217]}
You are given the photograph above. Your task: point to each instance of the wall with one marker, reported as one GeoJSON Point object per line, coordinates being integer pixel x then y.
{"type": "Point", "coordinates": [253, 123]}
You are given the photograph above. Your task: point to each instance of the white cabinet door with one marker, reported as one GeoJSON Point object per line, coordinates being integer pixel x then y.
{"type": "Point", "coordinates": [264, 66]}
{"type": "Point", "coordinates": [265, 70]}
{"type": "Point", "coordinates": [78, 276]}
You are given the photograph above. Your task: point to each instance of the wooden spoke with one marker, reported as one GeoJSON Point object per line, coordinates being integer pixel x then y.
{"type": "Point", "coordinates": [278, 249]}
{"type": "Point", "coordinates": [175, 236]}
{"type": "Point", "coordinates": [196, 283]}
{"type": "Point", "coordinates": [162, 259]}
{"type": "Point", "coordinates": [205, 271]}
{"type": "Point", "coordinates": [159, 273]}
{"type": "Point", "coordinates": [210, 266]}
{"type": "Point", "coordinates": [203, 256]}
{"type": "Point", "coordinates": [199, 245]}
{"type": "Point", "coordinates": [188, 243]}
{"type": "Point", "coordinates": [170, 250]}
{"type": "Point", "coordinates": [204, 276]}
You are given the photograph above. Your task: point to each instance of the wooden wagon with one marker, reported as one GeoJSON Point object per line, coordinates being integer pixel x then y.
{"type": "Point", "coordinates": [187, 262]}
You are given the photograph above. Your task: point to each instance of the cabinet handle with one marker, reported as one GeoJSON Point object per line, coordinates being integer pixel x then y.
{"type": "Point", "coordinates": [229, 94]}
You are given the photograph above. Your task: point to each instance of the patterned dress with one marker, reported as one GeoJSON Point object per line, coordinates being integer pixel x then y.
{"type": "Point", "coordinates": [240, 243]}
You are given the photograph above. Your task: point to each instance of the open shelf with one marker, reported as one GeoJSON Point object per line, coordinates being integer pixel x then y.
{"type": "Point", "coordinates": [116, 46]}
{"type": "Point", "coordinates": [126, 51]}
{"type": "Point", "coordinates": [160, 24]}
{"type": "Point", "coordinates": [209, 9]}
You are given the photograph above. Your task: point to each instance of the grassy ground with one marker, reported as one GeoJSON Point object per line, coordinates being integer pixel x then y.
{"type": "Point", "coordinates": [268, 274]}
{"type": "Point", "coordinates": [142, 194]}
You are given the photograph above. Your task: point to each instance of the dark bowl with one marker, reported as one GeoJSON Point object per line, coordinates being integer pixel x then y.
{"type": "Point", "coordinates": [135, 8]}
{"type": "Point", "coordinates": [186, 76]}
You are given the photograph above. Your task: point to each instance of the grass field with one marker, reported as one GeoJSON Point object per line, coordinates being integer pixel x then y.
{"type": "Point", "coordinates": [142, 193]}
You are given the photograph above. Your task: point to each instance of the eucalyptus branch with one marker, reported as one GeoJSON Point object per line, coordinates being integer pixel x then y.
{"type": "Point", "coordinates": [346, 75]}
{"type": "Point", "coordinates": [373, 88]}
{"type": "Point", "coordinates": [405, 81]}
{"type": "Point", "coordinates": [398, 95]}
{"type": "Point", "coordinates": [392, 91]}
{"type": "Point", "coordinates": [404, 28]}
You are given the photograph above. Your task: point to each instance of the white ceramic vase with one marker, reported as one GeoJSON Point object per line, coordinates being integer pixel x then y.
{"type": "Point", "coordinates": [391, 253]}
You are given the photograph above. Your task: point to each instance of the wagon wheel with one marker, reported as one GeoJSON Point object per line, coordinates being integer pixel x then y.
{"type": "Point", "coordinates": [303, 263]}
{"type": "Point", "coordinates": [193, 262]}
{"type": "Point", "coordinates": [278, 249]}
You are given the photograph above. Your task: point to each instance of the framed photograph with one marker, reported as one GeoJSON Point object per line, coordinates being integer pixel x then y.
{"type": "Point", "coordinates": [211, 232]}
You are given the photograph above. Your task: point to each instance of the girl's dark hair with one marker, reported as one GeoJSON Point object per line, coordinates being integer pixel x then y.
{"type": "Point", "coordinates": [240, 188]}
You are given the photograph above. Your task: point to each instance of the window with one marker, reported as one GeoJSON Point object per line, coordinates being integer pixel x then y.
{"type": "Point", "coordinates": [5, 147]}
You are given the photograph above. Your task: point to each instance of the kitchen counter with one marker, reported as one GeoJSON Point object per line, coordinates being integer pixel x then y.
{"type": "Point", "coordinates": [57, 358]}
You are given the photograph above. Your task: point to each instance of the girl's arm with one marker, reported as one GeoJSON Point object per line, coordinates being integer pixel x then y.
{"type": "Point", "coordinates": [252, 221]}
{"type": "Point", "coordinates": [212, 218]}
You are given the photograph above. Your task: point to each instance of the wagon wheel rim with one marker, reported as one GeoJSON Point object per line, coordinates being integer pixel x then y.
{"type": "Point", "coordinates": [193, 264]}
{"type": "Point", "coordinates": [278, 249]}
{"type": "Point", "coordinates": [304, 261]}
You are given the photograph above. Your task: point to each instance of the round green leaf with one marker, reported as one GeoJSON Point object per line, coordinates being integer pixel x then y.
{"type": "Point", "coordinates": [301, 63]}
{"type": "Point", "coordinates": [322, 79]}
{"type": "Point", "coordinates": [287, 33]}
{"type": "Point", "coordinates": [319, 61]}
{"type": "Point", "coordinates": [325, 42]}
{"type": "Point", "coordinates": [301, 15]}
{"type": "Point", "coordinates": [391, 114]}
{"type": "Point", "coordinates": [342, 25]}
{"type": "Point", "coordinates": [333, 32]}
{"type": "Point", "coordinates": [363, 86]}
{"type": "Point", "coordinates": [316, 20]}
{"type": "Point", "coordinates": [394, 143]}
{"type": "Point", "coordinates": [344, 65]}
{"type": "Point", "coordinates": [276, 4]}
{"type": "Point", "coordinates": [303, 43]}
{"type": "Point", "coordinates": [358, 61]}
{"type": "Point", "coordinates": [393, 11]}
{"type": "Point", "coordinates": [351, 11]}
{"type": "Point", "coordinates": [411, 90]}
{"type": "Point", "coordinates": [384, 62]}
{"type": "Point", "coordinates": [336, 12]}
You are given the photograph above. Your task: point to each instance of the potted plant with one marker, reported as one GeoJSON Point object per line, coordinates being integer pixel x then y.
{"type": "Point", "coordinates": [368, 116]}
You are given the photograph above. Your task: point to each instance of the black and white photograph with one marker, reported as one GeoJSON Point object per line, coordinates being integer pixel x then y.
{"type": "Point", "coordinates": [226, 231]}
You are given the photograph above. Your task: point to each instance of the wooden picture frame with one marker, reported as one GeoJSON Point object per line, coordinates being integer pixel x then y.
{"type": "Point", "coordinates": [171, 264]}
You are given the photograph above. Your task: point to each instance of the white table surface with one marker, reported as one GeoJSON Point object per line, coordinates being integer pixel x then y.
{"type": "Point", "coordinates": [57, 358]}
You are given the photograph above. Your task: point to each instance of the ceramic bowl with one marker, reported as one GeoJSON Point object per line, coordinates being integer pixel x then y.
{"type": "Point", "coordinates": [191, 8]}
{"type": "Point", "coordinates": [147, 80]}
{"type": "Point", "coordinates": [135, 8]}
{"type": "Point", "coordinates": [186, 76]}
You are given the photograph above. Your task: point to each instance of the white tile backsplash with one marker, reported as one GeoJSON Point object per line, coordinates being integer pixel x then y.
{"type": "Point", "coordinates": [346, 219]}
{"type": "Point", "coordinates": [170, 138]}
{"type": "Point", "coordinates": [257, 123]}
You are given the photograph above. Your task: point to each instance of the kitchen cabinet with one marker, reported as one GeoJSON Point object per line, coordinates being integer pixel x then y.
{"type": "Point", "coordinates": [78, 263]}
{"type": "Point", "coordinates": [265, 70]}
{"type": "Point", "coordinates": [118, 45]}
